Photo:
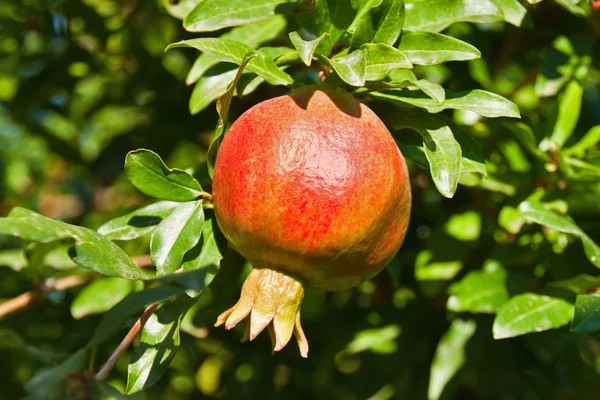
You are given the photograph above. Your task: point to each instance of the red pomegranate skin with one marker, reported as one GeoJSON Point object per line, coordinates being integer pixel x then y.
{"type": "Point", "coordinates": [312, 184]}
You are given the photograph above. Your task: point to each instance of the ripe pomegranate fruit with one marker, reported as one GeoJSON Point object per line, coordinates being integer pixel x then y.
{"type": "Point", "coordinates": [312, 190]}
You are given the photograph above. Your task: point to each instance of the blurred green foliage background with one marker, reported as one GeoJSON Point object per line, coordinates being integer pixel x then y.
{"type": "Point", "coordinates": [84, 82]}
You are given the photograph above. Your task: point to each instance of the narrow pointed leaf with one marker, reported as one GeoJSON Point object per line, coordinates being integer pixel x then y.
{"type": "Point", "coordinates": [223, 104]}
{"type": "Point", "coordinates": [252, 35]}
{"type": "Point", "coordinates": [587, 313]}
{"type": "Point", "coordinates": [90, 249]}
{"type": "Point", "coordinates": [479, 292]}
{"type": "Point", "coordinates": [334, 17]}
{"type": "Point", "coordinates": [149, 174]}
{"type": "Point", "coordinates": [514, 12]}
{"type": "Point", "coordinates": [383, 59]}
{"type": "Point", "coordinates": [478, 101]}
{"type": "Point", "coordinates": [442, 150]}
{"type": "Point", "coordinates": [137, 223]}
{"type": "Point", "coordinates": [568, 113]}
{"type": "Point", "coordinates": [428, 48]}
{"type": "Point", "coordinates": [534, 211]}
{"type": "Point", "coordinates": [159, 342]}
{"type": "Point", "coordinates": [351, 68]}
{"type": "Point", "coordinates": [115, 320]}
{"type": "Point", "coordinates": [449, 356]}
{"type": "Point", "coordinates": [436, 15]}
{"type": "Point", "coordinates": [306, 49]}
{"type": "Point", "coordinates": [530, 312]}
{"type": "Point", "coordinates": [100, 296]}
{"type": "Point", "coordinates": [235, 52]}
{"type": "Point", "coordinates": [175, 235]}
{"type": "Point", "coordinates": [212, 15]}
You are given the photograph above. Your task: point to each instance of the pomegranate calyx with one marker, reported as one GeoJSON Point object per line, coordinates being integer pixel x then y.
{"type": "Point", "coordinates": [272, 300]}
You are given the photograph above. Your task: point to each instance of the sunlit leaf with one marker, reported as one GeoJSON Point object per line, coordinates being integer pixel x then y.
{"type": "Point", "coordinates": [100, 296]}
{"type": "Point", "coordinates": [235, 52]}
{"type": "Point", "coordinates": [383, 59]}
{"type": "Point", "coordinates": [212, 15]}
{"type": "Point", "coordinates": [334, 17]}
{"type": "Point", "coordinates": [435, 15]}
{"type": "Point", "coordinates": [530, 312]}
{"type": "Point", "coordinates": [306, 49]}
{"type": "Point", "coordinates": [428, 48]}
{"type": "Point", "coordinates": [137, 223]}
{"type": "Point", "coordinates": [480, 291]}
{"type": "Point", "coordinates": [159, 341]}
{"type": "Point", "coordinates": [175, 235]}
{"type": "Point", "coordinates": [534, 211]}
{"type": "Point", "coordinates": [449, 356]}
{"type": "Point", "coordinates": [252, 35]}
{"type": "Point", "coordinates": [90, 250]}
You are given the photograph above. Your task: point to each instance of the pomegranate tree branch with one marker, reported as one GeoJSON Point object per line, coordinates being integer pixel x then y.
{"type": "Point", "coordinates": [122, 347]}
{"type": "Point", "coordinates": [36, 296]}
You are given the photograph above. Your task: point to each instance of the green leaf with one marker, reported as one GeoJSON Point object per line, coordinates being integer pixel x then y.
{"type": "Point", "coordinates": [465, 227]}
{"type": "Point", "coordinates": [436, 15]}
{"type": "Point", "coordinates": [47, 383]}
{"type": "Point", "coordinates": [159, 343]}
{"type": "Point", "coordinates": [478, 101]}
{"type": "Point", "coordinates": [208, 89]}
{"type": "Point", "coordinates": [581, 283]}
{"type": "Point", "coordinates": [210, 251]}
{"type": "Point", "coordinates": [510, 218]}
{"type": "Point", "coordinates": [534, 211]}
{"type": "Point", "coordinates": [427, 48]}
{"type": "Point", "coordinates": [428, 267]}
{"type": "Point", "coordinates": [100, 296]}
{"type": "Point", "coordinates": [334, 17]}
{"type": "Point", "coordinates": [530, 312]}
{"type": "Point", "coordinates": [149, 174]}
{"type": "Point", "coordinates": [400, 79]}
{"type": "Point", "coordinates": [587, 313]}
{"type": "Point", "coordinates": [306, 49]}
{"type": "Point", "coordinates": [223, 104]}
{"type": "Point", "coordinates": [379, 340]}
{"type": "Point", "coordinates": [90, 250]}
{"type": "Point", "coordinates": [235, 52]}
{"type": "Point", "coordinates": [352, 68]}
{"type": "Point", "coordinates": [568, 113]}
{"type": "Point", "coordinates": [378, 22]}
{"type": "Point", "coordinates": [114, 320]}
{"type": "Point", "coordinates": [443, 152]}
{"type": "Point", "coordinates": [526, 137]}
{"type": "Point", "coordinates": [212, 15]}
{"type": "Point", "coordinates": [137, 223]}
{"type": "Point", "coordinates": [568, 58]}
{"type": "Point", "coordinates": [383, 59]}
{"type": "Point", "coordinates": [180, 8]}
{"type": "Point", "coordinates": [514, 12]}
{"type": "Point", "coordinates": [449, 356]}
{"type": "Point", "coordinates": [175, 235]}
{"type": "Point", "coordinates": [252, 35]}
{"type": "Point", "coordinates": [480, 291]}
{"type": "Point", "coordinates": [590, 139]}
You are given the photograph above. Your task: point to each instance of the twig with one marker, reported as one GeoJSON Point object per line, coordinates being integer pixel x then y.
{"type": "Point", "coordinates": [36, 296]}
{"type": "Point", "coordinates": [122, 347]}
{"type": "Point", "coordinates": [206, 196]}
{"type": "Point", "coordinates": [144, 261]}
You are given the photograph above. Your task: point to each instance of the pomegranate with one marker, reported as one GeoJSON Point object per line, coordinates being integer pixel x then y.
{"type": "Point", "coordinates": [312, 190]}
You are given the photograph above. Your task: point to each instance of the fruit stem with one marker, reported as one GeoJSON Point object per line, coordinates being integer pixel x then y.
{"type": "Point", "coordinates": [272, 300]}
